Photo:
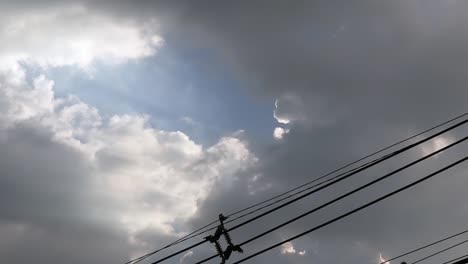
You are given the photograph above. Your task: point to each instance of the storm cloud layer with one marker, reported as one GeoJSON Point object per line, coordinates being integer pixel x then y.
{"type": "Point", "coordinates": [344, 78]}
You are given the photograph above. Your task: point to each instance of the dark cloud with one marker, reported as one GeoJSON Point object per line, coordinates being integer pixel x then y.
{"type": "Point", "coordinates": [379, 70]}
{"type": "Point", "coordinates": [384, 70]}
{"type": "Point", "coordinates": [46, 211]}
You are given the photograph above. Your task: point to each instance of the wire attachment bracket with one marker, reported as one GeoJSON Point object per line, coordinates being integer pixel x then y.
{"type": "Point", "coordinates": [214, 239]}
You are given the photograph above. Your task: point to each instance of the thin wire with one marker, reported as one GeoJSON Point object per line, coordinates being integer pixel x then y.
{"type": "Point", "coordinates": [199, 230]}
{"type": "Point", "coordinates": [244, 215]}
{"type": "Point", "coordinates": [354, 210]}
{"type": "Point", "coordinates": [353, 191]}
{"type": "Point", "coordinates": [328, 174]}
{"type": "Point", "coordinates": [440, 251]}
{"type": "Point", "coordinates": [459, 262]}
{"type": "Point", "coordinates": [134, 261]}
{"type": "Point", "coordinates": [379, 160]}
{"type": "Point", "coordinates": [426, 246]}
{"type": "Point", "coordinates": [352, 163]}
{"type": "Point", "coordinates": [284, 198]}
{"type": "Point", "coordinates": [321, 177]}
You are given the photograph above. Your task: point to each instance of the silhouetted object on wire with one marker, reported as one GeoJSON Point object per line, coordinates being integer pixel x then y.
{"type": "Point", "coordinates": [214, 239]}
{"type": "Point", "coordinates": [352, 211]}
{"type": "Point", "coordinates": [353, 172]}
{"type": "Point", "coordinates": [347, 194]}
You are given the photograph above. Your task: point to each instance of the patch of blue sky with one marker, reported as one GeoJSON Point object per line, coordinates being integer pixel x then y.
{"type": "Point", "coordinates": [181, 88]}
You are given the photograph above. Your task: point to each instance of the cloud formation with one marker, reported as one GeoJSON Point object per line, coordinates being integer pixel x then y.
{"type": "Point", "coordinates": [73, 35]}
{"type": "Point", "coordinates": [143, 178]}
{"type": "Point", "coordinates": [346, 78]}
{"type": "Point", "coordinates": [116, 171]}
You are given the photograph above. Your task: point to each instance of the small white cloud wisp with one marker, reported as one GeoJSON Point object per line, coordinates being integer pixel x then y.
{"type": "Point", "coordinates": [288, 249]}
{"type": "Point", "coordinates": [279, 132]}
{"type": "Point", "coordinates": [436, 144]}
{"type": "Point", "coordinates": [382, 260]}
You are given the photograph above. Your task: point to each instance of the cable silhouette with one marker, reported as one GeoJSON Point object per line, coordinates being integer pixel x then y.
{"type": "Point", "coordinates": [463, 261]}
{"type": "Point", "coordinates": [440, 251]}
{"type": "Point", "coordinates": [377, 161]}
{"type": "Point", "coordinates": [319, 178]}
{"type": "Point", "coordinates": [349, 193]}
{"type": "Point", "coordinates": [426, 246]}
{"type": "Point", "coordinates": [200, 230]}
{"type": "Point", "coordinates": [352, 211]}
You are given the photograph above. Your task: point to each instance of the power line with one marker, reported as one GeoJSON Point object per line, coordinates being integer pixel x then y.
{"type": "Point", "coordinates": [323, 176]}
{"type": "Point", "coordinates": [426, 246]}
{"type": "Point", "coordinates": [196, 232]}
{"type": "Point", "coordinates": [354, 210]}
{"type": "Point", "coordinates": [268, 212]}
{"type": "Point", "coordinates": [440, 251]}
{"type": "Point", "coordinates": [463, 261]}
{"type": "Point", "coordinates": [350, 193]}
{"type": "Point", "coordinates": [355, 190]}
{"type": "Point", "coordinates": [353, 171]}
{"type": "Point", "coordinates": [379, 160]}
{"type": "Point", "coordinates": [349, 164]}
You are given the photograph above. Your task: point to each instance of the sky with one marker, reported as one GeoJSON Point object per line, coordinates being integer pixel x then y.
{"type": "Point", "coordinates": [125, 125]}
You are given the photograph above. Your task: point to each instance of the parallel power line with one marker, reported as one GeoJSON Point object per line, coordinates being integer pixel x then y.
{"type": "Point", "coordinates": [352, 211]}
{"type": "Point", "coordinates": [200, 230]}
{"type": "Point", "coordinates": [353, 172]}
{"type": "Point", "coordinates": [204, 229]}
{"type": "Point", "coordinates": [366, 165]}
{"type": "Point", "coordinates": [346, 195]}
{"type": "Point", "coordinates": [461, 260]}
{"type": "Point", "coordinates": [379, 160]}
{"type": "Point", "coordinates": [426, 246]}
{"type": "Point", "coordinates": [440, 251]}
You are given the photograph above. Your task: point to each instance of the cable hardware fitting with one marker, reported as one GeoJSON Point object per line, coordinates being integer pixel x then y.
{"type": "Point", "coordinates": [214, 239]}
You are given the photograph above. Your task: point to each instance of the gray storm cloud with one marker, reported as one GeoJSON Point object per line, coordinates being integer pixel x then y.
{"type": "Point", "coordinates": [372, 71]}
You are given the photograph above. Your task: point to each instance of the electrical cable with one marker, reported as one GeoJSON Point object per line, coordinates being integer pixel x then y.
{"type": "Point", "coordinates": [379, 160]}
{"type": "Point", "coordinates": [352, 192]}
{"type": "Point", "coordinates": [196, 232]}
{"type": "Point", "coordinates": [440, 251]}
{"type": "Point", "coordinates": [426, 246]}
{"type": "Point", "coordinates": [353, 211]}
{"type": "Point", "coordinates": [463, 261]}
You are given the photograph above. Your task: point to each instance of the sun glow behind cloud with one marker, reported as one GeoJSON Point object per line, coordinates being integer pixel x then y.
{"type": "Point", "coordinates": [143, 178]}
{"type": "Point", "coordinates": [73, 35]}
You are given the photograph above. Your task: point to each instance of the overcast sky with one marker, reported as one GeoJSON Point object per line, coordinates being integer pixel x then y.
{"type": "Point", "coordinates": [126, 124]}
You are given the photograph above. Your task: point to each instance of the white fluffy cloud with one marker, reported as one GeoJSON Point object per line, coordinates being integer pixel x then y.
{"type": "Point", "coordinates": [288, 249]}
{"type": "Point", "coordinates": [279, 132]}
{"type": "Point", "coordinates": [142, 178]}
{"type": "Point", "coordinates": [290, 108]}
{"type": "Point", "coordinates": [152, 177]}
{"type": "Point", "coordinates": [72, 35]}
